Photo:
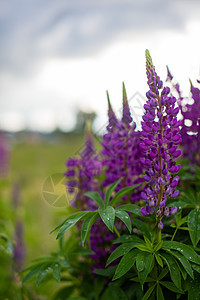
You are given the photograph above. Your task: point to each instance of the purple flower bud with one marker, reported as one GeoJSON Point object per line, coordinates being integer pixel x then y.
{"type": "Point", "coordinates": [146, 177]}
{"type": "Point", "coordinates": [162, 203]}
{"type": "Point", "coordinates": [143, 211]}
{"type": "Point", "coordinates": [176, 153]}
{"type": "Point", "coordinates": [175, 111]}
{"type": "Point", "coordinates": [172, 149]}
{"type": "Point", "coordinates": [175, 194]}
{"type": "Point", "coordinates": [160, 225]}
{"type": "Point", "coordinates": [146, 128]}
{"type": "Point", "coordinates": [144, 196]}
{"type": "Point", "coordinates": [161, 181]}
{"type": "Point", "coordinates": [173, 210]}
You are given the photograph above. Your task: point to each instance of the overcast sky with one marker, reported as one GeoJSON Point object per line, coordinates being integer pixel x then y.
{"type": "Point", "coordinates": [59, 56]}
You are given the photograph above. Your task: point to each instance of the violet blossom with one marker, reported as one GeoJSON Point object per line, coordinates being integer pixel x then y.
{"type": "Point", "coordinates": [190, 131]}
{"type": "Point", "coordinates": [121, 152]}
{"type": "Point", "coordinates": [160, 140]}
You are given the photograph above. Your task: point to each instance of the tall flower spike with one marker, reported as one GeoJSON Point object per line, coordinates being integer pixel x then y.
{"type": "Point", "coordinates": [112, 119]}
{"type": "Point", "coordinates": [160, 139]}
{"type": "Point", "coordinates": [121, 152]}
{"type": "Point", "coordinates": [126, 117]}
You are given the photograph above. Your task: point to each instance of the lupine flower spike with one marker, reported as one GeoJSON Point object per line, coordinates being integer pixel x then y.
{"type": "Point", "coordinates": [160, 140]}
{"type": "Point", "coordinates": [120, 153]}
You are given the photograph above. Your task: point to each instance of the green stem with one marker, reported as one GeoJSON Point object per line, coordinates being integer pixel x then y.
{"type": "Point", "coordinates": [174, 233]}
{"type": "Point", "coordinates": [159, 235]}
{"type": "Point", "coordinates": [116, 231]}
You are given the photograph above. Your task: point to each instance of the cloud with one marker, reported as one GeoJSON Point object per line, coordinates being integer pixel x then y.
{"type": "Point", "coordinates": [35, 30]}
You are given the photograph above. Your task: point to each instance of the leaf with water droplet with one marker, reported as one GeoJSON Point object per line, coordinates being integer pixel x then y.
{"type": "Point", "coordinates": [124, 217]}
{"type": "Point", "coordinates": [108, 216]}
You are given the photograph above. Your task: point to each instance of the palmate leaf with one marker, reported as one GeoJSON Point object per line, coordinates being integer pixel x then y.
{"type": "Point", "coordinates": [108, 216]}
{"type": "Point", "coordinates": [96, 198]}
{"type": "Point", "coordinates": [173, 269]}
{"type": "Point", "coordinates": [120, 251]}
{"type": "Point", "coordinates": [122, 193]}
{"type": "Point", "coordinates": [125, 264]}
{"type": "Point", "coordinates": [194, 226]}
{"type": "Point", "coordinates": [109, 272]}
{"type": "Point", "coordinates": [110, 190]}
{"type": "Point", "coordinates": [124, 217]}
{"type": "Point", "coordinates": [71, 221]}
{"type": "Point", "coordinates": [87, 224]}
{"type": "Point", "coordinates": [186, 250]}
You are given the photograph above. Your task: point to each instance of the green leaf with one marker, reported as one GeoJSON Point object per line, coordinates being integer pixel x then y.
{"type": "Point", "coordinates": [159, 293]}
{"type": "Point", "coordinates": [186, 250]}
{"type": "Point", "coordinates": [96, 198]}
{"type": "Point", "coordinates": [64, 262]}
{"type": "Point", "coordinates": [132, 208]}
{"type": "Point", "coordinates": [120, 251]}
{"type": "Point", "coordinates": [125, 264]}
{"type": "Point", "coordinates": [71, 221]}
{"type": "Point", "coordinates": [185, 263]}
{"type": "Point", "coordinates": [31, 274]}
{"type": "Point", "coordinates": [124, 217]}
{"type": "Point", "coordinates": [194, 226]}
{"type": "Point", "coordinates": [42, 274]}
{"type": "Point", "coordinates": [158, 246]}
{"type": "Point", "coordinates": [149, 292]}
{"type": "Point", "coordinates": [196, 268]}
{"type": "Point", "coordinates": [142, 227]}
{"type": "Point", "coordinates": [163, 273]}
{"type": "Point", "coordinates": [108, 216]}
{"type": "Point", "coordinates": [148, 243]}
{"type": "Point", "coordinates": [143, 248]}
{"type": "Point", "coordinates": [173, 269]}
{"type": "Point", "coordinates": [194, 291]}
{"type": "Point", "coordinates": [63, 222]}
{"type": "Point", "coordinates": [159, 260]}
{"type": "Point", "coordinates": [82, 252]}
{"type": "Point", "coordinates": [144, 263]}
{"type": "Point", "coordinates": [170, 286]}
{"type": "Point", "coordinates": [110, 190]}
{"type": "Point", "coordinates": [87, 224]}
{"type": "Point", "coordinates": [121, 193]}
{"type": "Point", "coordinates": [56, 271]}
{"type": "Point", "coordinates": [128, 238]}
{"type": "Point", "coordinates": [114, 292]}
{"type": "Point", "coordinates": [109, 272]}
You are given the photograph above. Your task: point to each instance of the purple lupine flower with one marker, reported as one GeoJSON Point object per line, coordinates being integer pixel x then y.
{"type": "Point", "coordinates": [121, 152]}
{"type": "Point", "coordinates": [81, 173]}
{"type": "Point", "coordinates": [4, 155]}
{"type": "Point", "coordinates": [190, 131]}
{"type": "Point", "coordinates": [19, 247]}
{"type": "Point", "coordinates": [160, 140]}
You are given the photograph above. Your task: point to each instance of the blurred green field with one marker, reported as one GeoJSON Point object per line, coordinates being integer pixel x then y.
{"type": "Point", "coordinates": [31, 163]}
